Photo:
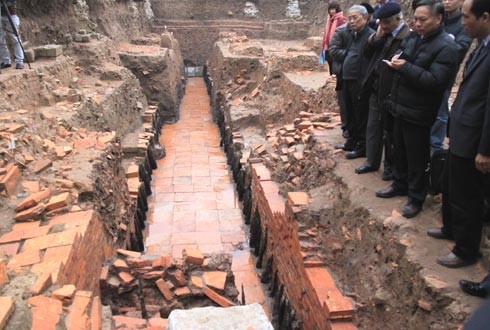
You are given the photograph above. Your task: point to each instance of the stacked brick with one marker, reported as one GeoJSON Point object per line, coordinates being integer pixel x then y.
{"type": "Point", "coordinates": [304, 292]}
{"type": "Point", "coordinates": [145, 287]}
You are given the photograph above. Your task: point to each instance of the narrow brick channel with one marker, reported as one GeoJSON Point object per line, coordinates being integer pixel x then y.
{"type": "Point", "coordinates": [194, 203]}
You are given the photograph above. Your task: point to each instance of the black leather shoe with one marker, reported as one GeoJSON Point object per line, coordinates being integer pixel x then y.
{"type": "Point", "coordinates": [364, 169]}
{"type": "Point", "coordinates": [438, 233]}
{"type": "Point", "coordinates": [355, 154]}
{"type": "Point", "coordinates": [474, 288]}
{"type": "Point", "coordinates": [387, 174]}
{"type": "Point", "coordinates": [453, 261]}
{"type": "Point", "coordinates": [391, 192]}
{"type": "Point", "coordinates": [344, 147]}
{"type": "Point", "coordinates": [411, 210]}
{"type": "Point", "coordinates": [4, 65]}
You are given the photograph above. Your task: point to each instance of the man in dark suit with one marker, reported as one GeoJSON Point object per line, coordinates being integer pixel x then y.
{"type": "Point", "coordinates": [377, 83]}
{"type": "Point", "coordinates": [424, 68]}
{"type": "Point", "coordinates": [468, 163]}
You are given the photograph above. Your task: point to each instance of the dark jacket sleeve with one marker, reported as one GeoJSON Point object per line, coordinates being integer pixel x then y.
{"type": "Point", "coordinates": [440, 73]}
{"type": "Point", "coordinates": [484, 147]}
{"type": "Point", "coordinates": [337, 48]}
{"type": "Point", "coordinates": [372, 45]}
{"type": "Point", "coordinates": [463, 42]}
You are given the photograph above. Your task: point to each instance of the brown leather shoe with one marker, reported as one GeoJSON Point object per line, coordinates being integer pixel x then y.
{"type": "Point", "coordinates": [453, 261]}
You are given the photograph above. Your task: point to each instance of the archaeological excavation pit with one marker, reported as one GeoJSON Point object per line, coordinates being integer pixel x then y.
{"type": "Point", "coordinates": [177, 156]}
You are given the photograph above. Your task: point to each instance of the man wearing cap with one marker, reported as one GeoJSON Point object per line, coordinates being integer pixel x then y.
{"type": "Point", "coordinates": [381, 45]}
{"type": "Point", "coordinates": [453, 26]}
{"type": "Point", "coordinates": [424, 69]}
{"type": "Point", "coordinates": [353, 71]}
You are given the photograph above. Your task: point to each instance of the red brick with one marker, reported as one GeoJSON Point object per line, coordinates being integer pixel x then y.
{"type": "Point", "coordinates": [193, 256]}
{"type": "Point", "coordinates": [162, 262]}
{"type": "Point", "coordinates": [58, 201]}
{"type": "Point", "coordinates": [181, 292]}
{"type": "Point", "coordinates": [196, 282]}
{"type": "Point", "coordinates": [127, 253]}
{"type": "Point", "coordinates": [41, 165]}
{"type": "Point", "coordinates": [162, 286]}
{"type": "Point", "coordinates": [177, 277]}
{"type": "Point", "coordinates": [4, 278]}
{"type": "Point", "coordinates": [9, 249]}
{"type": "Point", "coordinates": [20, 234]}
{"type": "Point", "coordinates": [120, 265]}
{"type": "Point", "coordinates": [158, 323]}
{"type": "Point", "coordinates": [51, 240]}
{"type": "Point", "coordinates": [43, 282]}
{"type": "Point", "coordinates": [33, 200]}
{"type": "Point", "coordinates": [216, 280]}
{"type": "Point", "coordinates": [73, 219]}
{"type": "Point", "coordinates": [132, 171]}
{"type": "Point", "coordinates": [31, 214]}
{"type": "Point", "coordinates": [65, 293]}
{"type": "Point", "coordinates": [342, 325]}
{"type": "Point", "coordinates": [24, 259]}
{"type": "Point", "coordinates": [138, 263]}
{"type": "Point", "coordinates": [96, 314]}
{"type": "Point", "coordinates": [9, 181]}
{"type": "Point", "coordinates": [77, 317]}
{"type": "Point", "coordinates": [124, 322]}
{"type": "Point", "coordinates": [127, 278]}
{"type": "Point", "coordinates": [104, 275]}
{"type": "Point", "coordinates": [46, 312]}
{"type": "Point", "coordinates": [31, 186]}
{"type": "Point", "coordinates": [7, 307]}
{"type": "Point", "coordinates": [298, 198]}
{"type": "Point", "coordinates": [217, 298]}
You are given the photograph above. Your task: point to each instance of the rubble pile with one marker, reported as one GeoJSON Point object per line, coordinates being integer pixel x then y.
{"type": "Point", "coordinates": [295, 157]}
{"type": "Point", "coordinates": [148, 286]}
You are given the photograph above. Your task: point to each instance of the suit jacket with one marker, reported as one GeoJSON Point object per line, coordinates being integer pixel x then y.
{"type": "Point", "coordinates": [379, 76]}
{"type": "Point", "coordinates": [469, 127]}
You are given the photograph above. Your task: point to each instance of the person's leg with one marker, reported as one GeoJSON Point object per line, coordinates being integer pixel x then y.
{"type": "Point", "coordinates": [362, 113]}
{"type": "Point", "coordinates": [400, 168]}
{"type": "Point", "coordinates": [466, 196]}
{"type": "Point", "coordinates": [438, 130]}
{"type": "Point", "coordinates": [374, 134]}
{"type": "Point", "coordinates": [350, 97]}
{"type": "Point", "coordinates": [4, 51]}
{"type": "Point", "coordinates": [418, 156]}
{"type": "Point", "coordinates": [447, 222]}
{"type": "Point", "coordinates": [16, 41]}
{"type": "Point", "coordinates": [388, 145]}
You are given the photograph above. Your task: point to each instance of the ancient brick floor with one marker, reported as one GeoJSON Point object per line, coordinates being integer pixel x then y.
{"type": "Point", "coordinates": [194, 203]}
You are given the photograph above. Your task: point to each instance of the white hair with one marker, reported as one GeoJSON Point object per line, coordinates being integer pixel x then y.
{"type": "Point", "coordinates": [360, 9]}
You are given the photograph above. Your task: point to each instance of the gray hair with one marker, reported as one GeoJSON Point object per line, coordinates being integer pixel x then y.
{"type": "Point", "coordinates": [360, 9]}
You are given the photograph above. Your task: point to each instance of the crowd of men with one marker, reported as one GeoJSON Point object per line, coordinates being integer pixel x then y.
{"type": "Point", "coordinates": [394, 81]}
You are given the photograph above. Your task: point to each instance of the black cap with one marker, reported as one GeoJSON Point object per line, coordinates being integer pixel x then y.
{"type": "Point", "coordinates": [368, 7]}
{"type": "Point", "coordinates": [389, 9]}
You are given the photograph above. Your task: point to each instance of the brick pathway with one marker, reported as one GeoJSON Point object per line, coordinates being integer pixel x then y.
{"type": "Point", "coordinates": [194, 203]}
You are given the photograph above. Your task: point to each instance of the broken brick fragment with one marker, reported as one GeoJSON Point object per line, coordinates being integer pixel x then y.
{"type": "Point", "coordinates": [33, 200]}
{"type": "Point", "coordinates": [46, 312]}
{"type": "Point", "coordinates": [162, 286]}
{"type": "Point", "coordinates": [128, 253]}
{"type": "Point", "coordinates": [182, 292]}
{"type": "Point", "coordinates": [215, 279]}
{"type": "Point", "coordinates": [193, 256]}
{"type": "Point", "coordinates": [177, 277]}
{"type": "Point", "coordinates": [41, 165]}
{"type": "Point", "coordinates": [7, 307]}
{"type": "Point", "coordinates": [4, 278]}
{"type": "Point", "coordinates": [162, 262]}
{"type": "Point", "coordinates": [217, 298]}
{"type": "Point", "coordinates": [58, 201]}
{"type": "Point", "coordinates": [9, 181]}
{"type": "Point", "coordinates": [126, 277]}
{"type": "Point", "coordinates": [65, 293]}
{"type": "Point", "coordinates": [43, 282]}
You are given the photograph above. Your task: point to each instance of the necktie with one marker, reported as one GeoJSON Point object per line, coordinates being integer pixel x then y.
{"type": "Point", "coordinates": [474, 56]}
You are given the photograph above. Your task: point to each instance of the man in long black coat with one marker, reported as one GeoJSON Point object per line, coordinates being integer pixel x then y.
{"type": "Point", "coordinates": [468, 163]}
{"type": "Point", "coordinates": [424, 69]}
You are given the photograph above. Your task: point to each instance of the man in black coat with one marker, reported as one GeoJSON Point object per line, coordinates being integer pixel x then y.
{"type": "Point", "coordinates": [468, 164]}
{"type": "Point", "coordinates": [424, 69]}
{"type": "Point", "coordinates": [353, 71]}
{"type": "Point", "coordinates": [381, 45]}
{"type": "Point", "coordinates": [453, 26]}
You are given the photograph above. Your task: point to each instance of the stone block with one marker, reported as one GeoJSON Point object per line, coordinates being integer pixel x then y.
{"type": "Point", "coordinates": [49, 51]}
{"type": "Point", "coordinates": [7, 307]}
{"type": "Point", "coordinates": [238, 318]}
{"type": "Point", "coordinates": [30, 55]}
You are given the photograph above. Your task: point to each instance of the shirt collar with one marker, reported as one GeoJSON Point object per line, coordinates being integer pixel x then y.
{"type": "Point", "coordinates": [395, 32]}
{"type": "Point", "coordinates": [486, 40]}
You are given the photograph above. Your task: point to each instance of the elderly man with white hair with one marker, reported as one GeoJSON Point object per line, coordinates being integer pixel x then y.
{"type": "Point", "coordinates": [353, 71]}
